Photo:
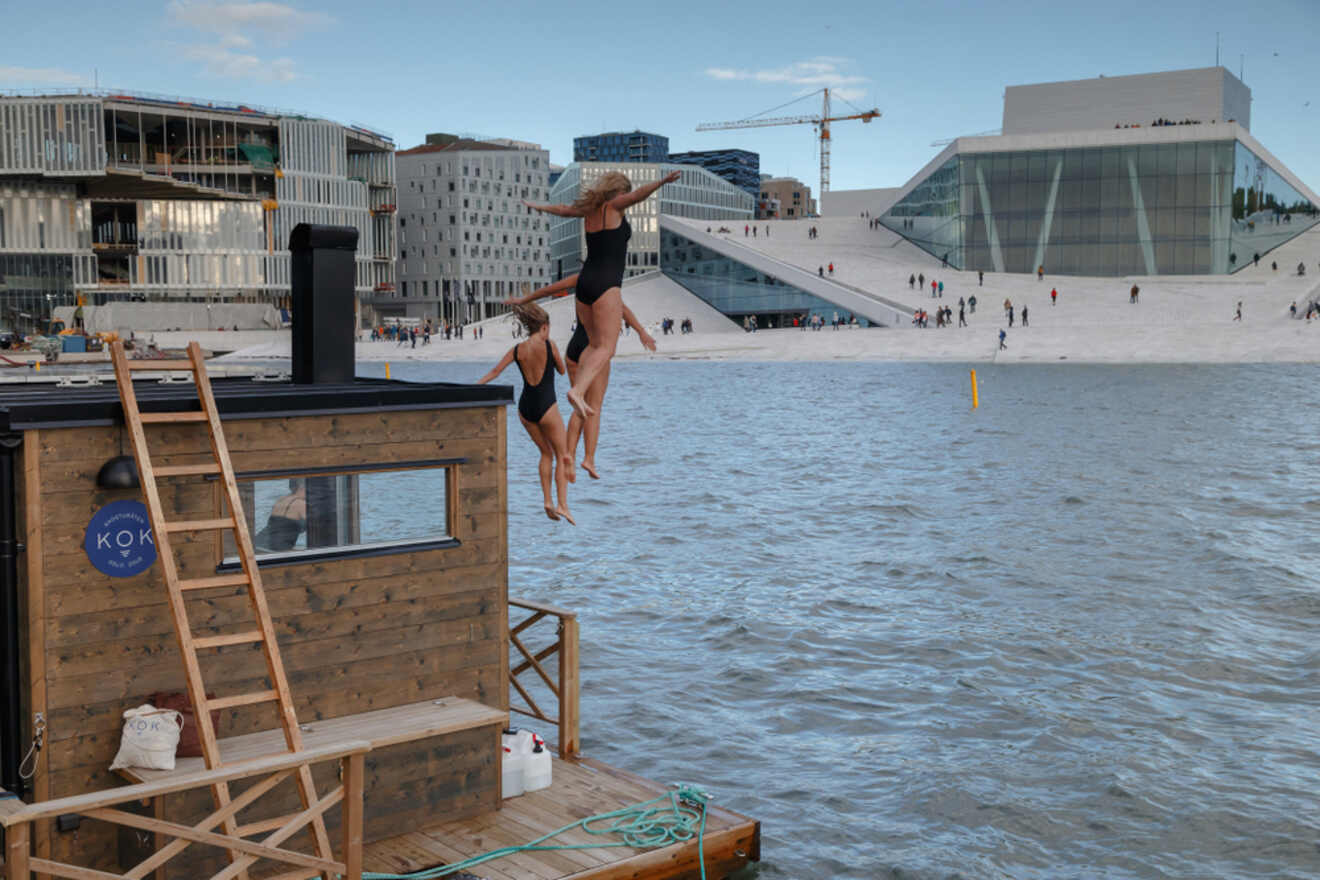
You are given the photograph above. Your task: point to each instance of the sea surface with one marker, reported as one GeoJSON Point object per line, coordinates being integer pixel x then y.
{"type": "Point", "coordinates": [1073, 633]}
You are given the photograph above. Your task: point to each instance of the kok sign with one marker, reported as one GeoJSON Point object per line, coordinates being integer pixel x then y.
{"type": "Point", "coordinates": [119, 541]}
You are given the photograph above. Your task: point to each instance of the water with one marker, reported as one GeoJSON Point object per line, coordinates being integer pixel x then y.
{"type": "Point", "coordinates": [1071, 634]}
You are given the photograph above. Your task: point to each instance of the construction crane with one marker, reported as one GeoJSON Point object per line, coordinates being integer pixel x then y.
{"type": "Point", "coordinates": [822, 123]}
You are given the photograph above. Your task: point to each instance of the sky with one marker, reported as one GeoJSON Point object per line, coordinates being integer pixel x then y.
{"type": "Point", "coordinates": [548, 73]}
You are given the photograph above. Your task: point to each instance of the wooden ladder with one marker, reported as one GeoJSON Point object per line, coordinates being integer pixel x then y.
{"type": "Point", "coordinates": [180, 588]}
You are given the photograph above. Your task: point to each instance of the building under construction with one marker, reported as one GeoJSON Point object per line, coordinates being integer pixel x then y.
{"type": "Point", "coordinates": [112, 197]}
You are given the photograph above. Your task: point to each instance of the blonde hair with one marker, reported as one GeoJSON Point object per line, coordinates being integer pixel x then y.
{"type": "Point", "coordinates": [611, 184]}
{"type": "Point", "coordinates": [531, 316]}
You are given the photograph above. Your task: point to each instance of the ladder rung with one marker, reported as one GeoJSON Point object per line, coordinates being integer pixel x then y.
{"type": "Point", "coordinates": [160, 365]}
{"type": "Point", "coordinates": [171, 417]}
{"type": "Point", "coordinates": [241, 638]}
{"type": "Point", "coordinates": [242, 700]}
{"type": "Point", "coordinates": [264, 825]}
{"type": "Point", "coordinates": [199, 525]}
{"type": "Point", "coordinates": [224, 580]}
{"type": "Point", "coordinates": [186, 470]}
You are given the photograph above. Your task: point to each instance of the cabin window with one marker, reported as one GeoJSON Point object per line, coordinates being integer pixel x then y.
{"type": "Point", "coordinates": [305, 515]}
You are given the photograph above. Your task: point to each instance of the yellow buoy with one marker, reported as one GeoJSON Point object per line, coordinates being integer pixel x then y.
{"type": "Point", "coordinates": [387, 369]}
{"type": "Point", "coordinates": [976, 400]}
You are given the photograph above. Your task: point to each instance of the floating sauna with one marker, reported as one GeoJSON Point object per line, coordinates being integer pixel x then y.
{"type": "Point", "coordinates": [378, 516]}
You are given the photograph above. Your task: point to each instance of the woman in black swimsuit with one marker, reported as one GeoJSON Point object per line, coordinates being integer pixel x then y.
{"type": "Point", "coordinates": [539, 357]}
{"type": "Point", "coordinates": [577, 428]}
{"type": "Point", "coordinates": [599, 299]}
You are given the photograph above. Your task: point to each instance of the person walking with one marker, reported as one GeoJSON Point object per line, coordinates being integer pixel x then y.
{"type": "Point", "coordinates": [1040, 272]}
{"type": "Point", "coordinates": [831, 270]}
{"type": "Point", "coordinates": [746, 231]}
{"type": "Point", "coordinates": [962, 315]}
{"type": "Point", "coordinates": [1003, 335]}
{"type": "Point", "coordinates": [941, 290]}
{"type": "Point", "coordinates": [932, 288]}
{"type": "Point", "coordinates": [912, 280]}
{"type": "Point", "coordinates": [1054, 296]}
{"type": "Point", "coordinates": [921, 280]}
{"type": "Point", "coordinates": [1237, 315]}
{"type": "Point", "coordinates": [1024, 316]}
{"type": "Point", "coordinates": [820, 270]}
{"type": "Point", "coordinates": [980, 278]}
{"type": "Point", "coordinates": [971, 304]}
{"type": "Point", "coordinates": [1010, 316]}
{"type": "Point", "coordinates": [1132, 294]}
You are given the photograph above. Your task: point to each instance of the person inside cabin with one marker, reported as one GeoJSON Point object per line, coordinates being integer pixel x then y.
{"type": "Point", "coordinates": [288, 520]}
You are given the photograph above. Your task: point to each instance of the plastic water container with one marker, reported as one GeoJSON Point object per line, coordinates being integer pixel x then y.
{"type": "Point", "coordinates": [517, 745]}
{"type": "Point", "coordinates": [536, 767]}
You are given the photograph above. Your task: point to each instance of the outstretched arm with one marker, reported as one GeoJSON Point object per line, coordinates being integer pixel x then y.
{"type": "Point", "coordinates": [560, 210]}
{"type": "Point", "coordinates": [642, 193]}
{"type": "Point", "coordinates": [561, 286]}
{"type": "Point", "coordinates": [499, 368]}
{"type": "Point", "coordinates": [559, 361]}
{"type": "Point", "coordinates": [648, 341]}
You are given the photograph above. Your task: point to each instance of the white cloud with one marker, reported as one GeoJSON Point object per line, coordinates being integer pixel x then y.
{"type": "Point", "coordinates": [233, 33]}
{"type": "Point", "coordinates": [815, 72]}
{"type": "Point", "coordinates": [41, 76]}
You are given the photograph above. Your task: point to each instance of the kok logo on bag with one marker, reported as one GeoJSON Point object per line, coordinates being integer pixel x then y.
{"type": "Point", "coordinates": [119, 541]}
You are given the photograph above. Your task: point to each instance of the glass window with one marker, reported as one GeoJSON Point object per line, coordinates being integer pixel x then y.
{"type": "Point", "coordinates": [332, 514]}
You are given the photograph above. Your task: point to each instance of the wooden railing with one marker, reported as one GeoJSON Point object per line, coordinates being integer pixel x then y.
{"type": "Point", "coordinates": [20, 863]}
{"type": "Point", "coordinates": [566, 688]}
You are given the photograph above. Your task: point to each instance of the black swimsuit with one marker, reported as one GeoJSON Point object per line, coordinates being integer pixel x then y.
{"type": "Point", "coordinates": [607, 254]}
{"type": "Point", "coordinates": [536, 400]}
{"type": "Point", "coordinates": [577, 344]}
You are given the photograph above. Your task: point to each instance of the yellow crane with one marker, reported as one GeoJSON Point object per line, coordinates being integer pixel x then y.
{"type": "Point", "coordinates": [822, 123]}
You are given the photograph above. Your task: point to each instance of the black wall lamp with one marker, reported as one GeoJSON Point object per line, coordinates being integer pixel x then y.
{"type": "Point", "coordinates": [119, 472]}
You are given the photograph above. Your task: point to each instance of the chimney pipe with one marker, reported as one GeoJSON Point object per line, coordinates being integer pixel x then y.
{"type": "Point", "coordinates": [322, 277]}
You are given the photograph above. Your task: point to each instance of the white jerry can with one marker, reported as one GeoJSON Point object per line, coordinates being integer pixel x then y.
{"type": "Point", "coordinates": [516, 745]}
{"type": "Point", "coordinates": [536, 767]}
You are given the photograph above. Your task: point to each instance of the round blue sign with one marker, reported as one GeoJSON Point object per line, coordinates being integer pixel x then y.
{"type": "Point", "coordinates": [119, 541]}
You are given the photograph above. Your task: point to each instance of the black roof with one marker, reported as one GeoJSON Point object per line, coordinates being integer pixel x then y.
{"type": "Point", "coordinates": [25, 406]}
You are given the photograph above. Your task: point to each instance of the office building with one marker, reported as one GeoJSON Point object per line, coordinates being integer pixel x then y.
{"type": "Point", "coordinates": [697, 194]}
{"type": "Point", "coordinates": [784, 198]}
{"type": "Point", "coordinates": [1155, 174]}
{"type": "Point", "coordinates": [742, 168]}
{"type": "Point", "coordinates": [466, 241]}
{"type": "Point", "coordinates": [107, 197]}
{"type": "Point", "coordinates": [621, 146]}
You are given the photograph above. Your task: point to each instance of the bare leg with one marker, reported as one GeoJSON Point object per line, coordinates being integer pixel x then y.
{"type": "Point", "coordinates": [574, 421]}
{"type": "Point", "coordinates": [591, 433]}
{"type": "Point", "coordinates": [545, 467]}
{"type": "Point", "coordinates": [552, 429]}
{"type": "Point", "coordinates": [601, 319]}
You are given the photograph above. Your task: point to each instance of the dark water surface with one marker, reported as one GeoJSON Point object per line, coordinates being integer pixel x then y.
{"type": "Point", "coordinates": [1075, 633]}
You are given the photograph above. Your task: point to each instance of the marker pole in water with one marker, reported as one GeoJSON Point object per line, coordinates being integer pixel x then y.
{"type": "Point", "coordinates": [387, 370]}
{"type": "Point", "coordinates": [976, 400]}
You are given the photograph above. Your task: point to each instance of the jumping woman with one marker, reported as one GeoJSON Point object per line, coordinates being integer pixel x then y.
{"type": "Point", "coordinates": [599, 298]}
{"type": "Point", "coordinates": [538, 359]}
{"type": "Point", "coordinates": [577, 428]}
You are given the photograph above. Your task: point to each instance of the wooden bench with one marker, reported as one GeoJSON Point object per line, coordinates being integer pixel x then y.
{"type": "Point", "coordinates": [380, 727]}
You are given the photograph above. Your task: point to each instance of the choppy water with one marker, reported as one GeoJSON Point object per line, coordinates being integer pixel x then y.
{"type": "Point", "coordinates": [1075, 633]}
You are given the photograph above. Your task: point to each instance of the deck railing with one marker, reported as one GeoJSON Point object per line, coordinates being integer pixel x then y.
{"type": "Point", "coordinates": [566, 688]}
{"type": "Point", "coordinates": [17, 819]}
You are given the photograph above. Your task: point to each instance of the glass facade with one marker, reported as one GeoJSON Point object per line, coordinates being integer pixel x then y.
{"type": "Point", "coordinates": [621, 146]}
{"type": "Point", "coordinates": [1194, 207]}
{"type": "Point", "coordinates": [738, 290]}
{"type": "Point", "coordinates": [742, 168]}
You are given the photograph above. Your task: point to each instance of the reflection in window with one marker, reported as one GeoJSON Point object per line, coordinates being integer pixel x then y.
{"type": "Point", "coordinates": [325, 514]}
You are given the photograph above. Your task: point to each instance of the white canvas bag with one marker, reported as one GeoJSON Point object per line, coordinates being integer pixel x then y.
{"type": "Point", "coordinates": [150, 738]}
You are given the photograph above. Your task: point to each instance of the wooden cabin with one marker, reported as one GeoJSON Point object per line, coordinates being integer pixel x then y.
{"type": "Point", "coordinates": [391, 607]}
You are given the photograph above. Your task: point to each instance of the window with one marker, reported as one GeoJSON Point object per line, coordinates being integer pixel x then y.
{"type": "Point", "coordinates": [308, 514]}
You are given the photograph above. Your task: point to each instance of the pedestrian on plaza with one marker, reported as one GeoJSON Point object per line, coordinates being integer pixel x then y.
{"type": "Point", "coordinates": [831, 269]}
{"type": "Point", "coordinates": [921, 281]}
{"type": "Point", "coordinates": [1133, 293]}
{"type": "Point", "coordinates": [941, 290]}
{"type": "Point", "coordinates": [1024, 316]}
{"type": "Point", "coordinates": [1292, 309]}
{"type": "Point", "coordinates": [962, 315]}
{"type": "Point", "coordinates": [820, 270]}
{"type": "Point", "coordinates": [971, 304]}
{"type": "Point", "coordinates": [746, 230]}
{"type": "Point", "coordinates": [980, 278]}
{"type": "Point", "coordinates": [1054, 296]}
{"type": "Point", "coordinates": [753, 232]}
{"type": "Point", "coordinates": [932, 288]}
{"type": "Point", "coordinates": [912, 279]}
{"type": "Point", "coordinates": [1237, 316]}
{"type": "Point", "coordinates": [1003, 335]}
{"type": "Point", "coordinates": [1010, 316]}
{"type": "Point", "coordinates": [1040, 273]}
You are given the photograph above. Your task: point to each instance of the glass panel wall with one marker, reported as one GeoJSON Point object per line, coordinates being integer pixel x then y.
{"type": "Point", "coordinates": [737, 290]}
{"type": "Point", "coordinates": [1267, 210]}
{"type": "Point", "coordinates": [1143, 209]}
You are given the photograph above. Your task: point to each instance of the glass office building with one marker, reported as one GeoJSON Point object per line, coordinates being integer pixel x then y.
{"type": "Point", "coordinates": [739, 290]}
{"type": "Point", "coordinates": [621, 146]}
{"type": "Point", "coordinates": [742, 168]}
{"type": "Point", "coordinates": [1154, 201]}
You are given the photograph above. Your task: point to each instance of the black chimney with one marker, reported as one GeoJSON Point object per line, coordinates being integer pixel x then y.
{"type": "Point", "coordinates": [322, 279]}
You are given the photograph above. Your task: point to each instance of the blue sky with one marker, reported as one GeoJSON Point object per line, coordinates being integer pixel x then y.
{"type": "Point", "coordinates": [546, 73]}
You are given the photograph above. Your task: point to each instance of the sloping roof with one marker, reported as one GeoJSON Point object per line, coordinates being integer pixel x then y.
{"type": "Point", "coordinates": [457, 146]}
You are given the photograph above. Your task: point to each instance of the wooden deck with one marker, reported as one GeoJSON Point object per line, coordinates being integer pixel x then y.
{"type": "Point", "coordinates": [582, 787]}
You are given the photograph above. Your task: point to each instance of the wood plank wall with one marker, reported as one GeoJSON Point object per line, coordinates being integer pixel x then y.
{"type": "Point", "coordinates": [356, 634]}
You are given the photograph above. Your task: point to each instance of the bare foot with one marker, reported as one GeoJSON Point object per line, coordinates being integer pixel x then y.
{"type": "Point", "coordinates": [590, 467]}
{"type": "Point", "coordinates": [562, 510]}
{"type": "Point", "coordinates": [566, 464]}
{"type": "Point", "coordinates": [579, 405]}
{"type": "Point", "coordinates": [552, 513]}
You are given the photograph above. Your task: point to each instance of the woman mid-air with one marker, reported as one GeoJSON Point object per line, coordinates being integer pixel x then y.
{"type": "Point", "coordinates": [577, 428]}
{"type": "Point", "coordinates": [538, 359]}
{"type": "Point", "coordinates": [599, 299]}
